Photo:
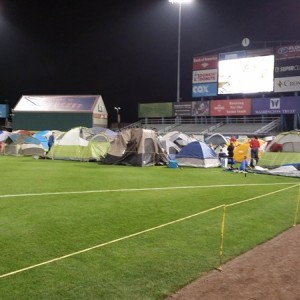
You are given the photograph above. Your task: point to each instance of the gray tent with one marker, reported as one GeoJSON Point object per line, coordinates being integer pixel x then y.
{"type": "Point", "coordinates": [135, 147]}
{"type": "Point", "coordinates": [23, 145]}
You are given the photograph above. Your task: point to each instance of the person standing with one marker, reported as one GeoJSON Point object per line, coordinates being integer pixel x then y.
{"type": "Point", "coordinates": [254, 146]}
{"type": "Point", "coordinates": [230, 150]}
{"type": "Point", "coordinates": [50, 141]}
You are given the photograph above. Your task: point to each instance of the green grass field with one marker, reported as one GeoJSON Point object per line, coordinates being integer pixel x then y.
{"type": "Point", "coordinates": [73, 230]}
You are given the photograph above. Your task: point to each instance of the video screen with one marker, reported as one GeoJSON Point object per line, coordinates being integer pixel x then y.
{"type": "Point", "coordinates": [246, 75]}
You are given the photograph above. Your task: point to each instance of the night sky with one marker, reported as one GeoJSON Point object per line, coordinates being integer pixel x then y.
{"type": "Point", "coordinates": [125, 51]}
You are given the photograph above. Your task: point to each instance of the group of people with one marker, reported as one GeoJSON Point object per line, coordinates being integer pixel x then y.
{"type": "Point", "coordinates": [254, 148]}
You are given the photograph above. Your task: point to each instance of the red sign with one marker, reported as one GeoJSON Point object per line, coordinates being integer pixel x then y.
{"type": "Point", "coordinates": [205, 62]}
{"type": "Point", "coordinates": [235, 107]}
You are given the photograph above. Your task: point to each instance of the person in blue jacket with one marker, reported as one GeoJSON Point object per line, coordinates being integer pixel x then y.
{"type": "Point", "coordinates": [244, 165]}
{"type": "Point", "coordinates": [50, 141]}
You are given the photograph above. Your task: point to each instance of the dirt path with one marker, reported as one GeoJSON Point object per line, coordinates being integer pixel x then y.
{"type": "Point", "coordinates": [270, 271]}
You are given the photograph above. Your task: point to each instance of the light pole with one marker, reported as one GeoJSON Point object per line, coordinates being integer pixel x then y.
{"type": "Point", "coordinates": [117, 108]}
{"type": "Point", "coordinates": [179, 2]}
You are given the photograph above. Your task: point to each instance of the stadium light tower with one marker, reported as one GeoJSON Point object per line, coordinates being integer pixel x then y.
{"type": "Point", "coordinates": [117, 108]}
{"type": "Point", "coordinates": [179, 2]}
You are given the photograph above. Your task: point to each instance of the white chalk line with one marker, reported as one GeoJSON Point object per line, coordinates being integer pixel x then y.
{"type": "Point", "coordinates": [143, 189]}
{"type": "Point", "coordinates": [138, 233]}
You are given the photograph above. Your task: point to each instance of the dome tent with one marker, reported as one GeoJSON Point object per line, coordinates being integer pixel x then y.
{"type": "Point", "coordinates": [284, 149]}
{"type": "Point", "coordinates": [135, 147]}
{"type": "Point", "coordinates": [79, 143]}
{"type": "Point", "coordinates": [197, 154]}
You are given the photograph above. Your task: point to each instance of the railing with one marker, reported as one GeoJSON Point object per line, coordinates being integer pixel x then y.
{"type": "Point", "coordinates": [212, 128]}
{"type": "Point", "coordinates": [205, 120]}
{"type": "Point", "coordinates": [269, 127]}
{"type": "Point", "coordinates": [137, 124]}
{"type": "Point", "coordinates": [167, 129]}
{"type": "Point", "coordinates": [213, 123]}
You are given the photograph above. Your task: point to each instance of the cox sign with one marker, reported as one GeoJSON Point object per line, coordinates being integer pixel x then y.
{"type": "Point", "coordinates": [204, 89]}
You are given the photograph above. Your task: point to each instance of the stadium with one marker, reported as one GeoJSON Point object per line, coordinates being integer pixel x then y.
{"type": "Point", "coordinates": [241, 89]}
{"type": "Point", "coordinates": [104, 215]}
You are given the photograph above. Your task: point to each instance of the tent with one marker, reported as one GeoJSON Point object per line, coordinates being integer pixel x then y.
{"type": "Point", "coordinates": [217, 139]}
{"type": "Point", "coordinates": [287, 171]}
{"type": "Point", "coordinates": [169, 147]}
{"type": "Point", "coordinates": [43, 137]}
{"type": "Point", "coordinates": [109, 133]}
{"type": "Point", "coordinates": [179, 138]}
{"type": "Point", "coordinates": [285, 142]}
{"type": "Point", "coordinates": [135, 147]}
{"type": "Point", "coordinates": [22, 145]}
{"type": "Point", "coordinates": [243, 149]}
{"type": "Point", "coordinates": [79, 143]}
{"type": "Point", "coordinates": [197, 154]}
{"type": "Point", "coordinates": [282, 150]}
{"type": "Point", "coordinates": [4, 135]}
{"type": "Point", "coordinates": [172, 142]}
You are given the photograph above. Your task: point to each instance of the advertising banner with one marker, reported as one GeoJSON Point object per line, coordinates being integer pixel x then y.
{"type": "Point", "coordinates": [287, 52]}
{"type": "Point", "coordinates": [200, 108]}
{"type": "Point", "coordinates": [205, 89]}
{"type": "Point", "coordinates": [205, 62]}
{"type": "Point", "coordinates": [287, 68]}
{"type": "Point", "coordinates": [204, 76]}
{"type": "Point", "coordinates": [269, 106]}
{"type": "Point", "coordinates": [232, 55]}
{"type": "Point", "coordinates": [260, 52]}
{"type": "Point", "coordinates": [234, 107]}
{"type": "Point", "coordinates": [182, 108]}
{"type": "Point", "coordinates": [155, 110]}
{"type": "Point", "coordinates": [287, 84]}
{"type": "Point", "coordinates": [3, 111]}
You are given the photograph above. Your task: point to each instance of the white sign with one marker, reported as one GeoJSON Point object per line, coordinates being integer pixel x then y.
{"type": "Point", "coordinates": [287, 84]}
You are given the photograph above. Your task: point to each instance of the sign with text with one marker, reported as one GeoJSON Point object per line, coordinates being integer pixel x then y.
{"type": "Point", "coordinates": [269, 106]}
{"type": "Point", "coordinates": [287, 52]}
{"type": "Point", "coordinates": [205, 89]}
{"type": "Point", "coordinates": [205, 62]}
{"type": "Point", "coordinates": [182, 108]}
{"type": "Point", "coordinates": [287, 84]}
{"type": "Point", "coordinates": [204, 76]}
{"type": "Point", "coordinates": [234, 107]}
{"type": "Point", "coordinates": [287, 68]}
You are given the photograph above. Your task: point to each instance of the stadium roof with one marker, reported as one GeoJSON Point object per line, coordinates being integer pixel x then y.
{"type": "Point", "coordinates": [57, 103]}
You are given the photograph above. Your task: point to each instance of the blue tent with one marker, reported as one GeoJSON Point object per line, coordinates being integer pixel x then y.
{"type": "Point", "coordinates": [22, 144]}
{"type": "Point", "coordinates": [41, 136]}
{"type": "Point", "coordinates": [197, 154]}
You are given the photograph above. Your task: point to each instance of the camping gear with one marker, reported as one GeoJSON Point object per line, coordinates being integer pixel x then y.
{"type": "Point", "coordinates": [216, 140]}
{"type": "Point", "coordinates": [197, 154]}
{"type": "Point", "coordinates": [243, 149]}
{"type": "Point", "coordinates": [283, 149]}
{"type": "Point", "coordinates": [79, 143]}
{"type": "Point", "coordinates": [172, 164]}
{"type": "Point", "coordinates": [172, 142]}
{"type": "Point", "coordinates": [285, 142]}
{"type": "Point", "coordinates": [135, 147]}
{"type": "Point", "coordinates": [23, 145]}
